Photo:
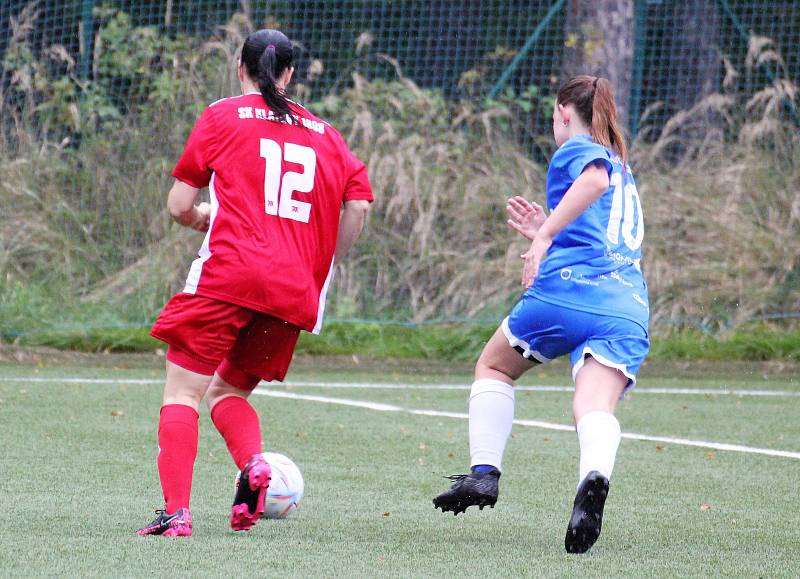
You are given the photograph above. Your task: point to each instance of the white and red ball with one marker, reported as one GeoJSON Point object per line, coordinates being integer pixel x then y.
{"type": "Point", "coordinates": [285, 489]}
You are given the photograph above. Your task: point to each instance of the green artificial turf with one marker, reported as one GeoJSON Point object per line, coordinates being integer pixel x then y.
{"type": "Point", "coordinates": [79, 476]}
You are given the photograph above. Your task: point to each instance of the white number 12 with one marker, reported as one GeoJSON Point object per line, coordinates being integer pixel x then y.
{"type": "Point", "coordinates": [283, 205]}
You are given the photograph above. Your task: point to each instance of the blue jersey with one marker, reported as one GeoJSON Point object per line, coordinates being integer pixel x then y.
{"type": "Point", "coordinates": [594, 263]}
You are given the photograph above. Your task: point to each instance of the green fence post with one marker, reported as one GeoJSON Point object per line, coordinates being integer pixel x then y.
{"type": "Point", "coordinates": [635, 102]}
{"type": "Point", "coordinates": [525, 48]}
{"type": "Point", "coordinates": [87, 21]}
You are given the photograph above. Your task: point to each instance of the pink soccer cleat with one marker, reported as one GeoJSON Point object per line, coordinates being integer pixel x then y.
{"type": "Point", "coordinates": [178, 524]}
{"type": "Point", "coordinates": [248, 504]}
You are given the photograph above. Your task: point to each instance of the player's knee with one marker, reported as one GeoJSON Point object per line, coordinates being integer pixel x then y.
{"type": "Point", "coordinates": [212, 397]}
{"type": "Point", "coordinates": [492, 372]}
{"type": "Point", "coordinates": [584, 402]}
{"type": "Point", "coordinates": [489, 358]}
{"type": "Point", "coordinates": [500, 367]}
{"type": "Point", "coordinates": [484, 367]}
{"type": "Point", "coordinates": [189, 398]}
{"type": "Point", "coordinates": [217, 391]}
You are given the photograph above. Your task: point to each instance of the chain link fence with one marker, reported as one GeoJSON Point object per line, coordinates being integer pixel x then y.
{"type": "Point", "coordinates": [448, 102]}
{"type": "Point", "coordinates": [661, 53]}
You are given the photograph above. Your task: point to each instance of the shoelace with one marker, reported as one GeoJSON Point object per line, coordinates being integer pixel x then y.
{"type": "Point", "coordinates": [456, 477]}
{"type": "Point", "coordinates": [159, 518]}
{"type": "Point", "coordinates": [162, 516]}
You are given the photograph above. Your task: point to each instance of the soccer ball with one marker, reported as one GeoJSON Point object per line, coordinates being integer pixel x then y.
{"type": "Point", "coordinates": [285, 489]}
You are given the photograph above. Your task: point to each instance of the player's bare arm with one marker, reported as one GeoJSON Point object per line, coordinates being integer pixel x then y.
{"type": "Point", "coordinates": [354, 215]}
{"type": "Point", "coordinates": [180, 203]}
{"type": "Point", "coordinates": [586, 189]}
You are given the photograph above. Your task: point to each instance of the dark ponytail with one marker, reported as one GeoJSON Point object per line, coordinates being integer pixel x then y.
{"type": "Point", "coordinates": [593, 99]}
{"type": "Point", "coordinates": [266, 54]}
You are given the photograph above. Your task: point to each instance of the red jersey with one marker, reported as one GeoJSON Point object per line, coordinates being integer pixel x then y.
{"type": "Point", "coordinates": [276, 193]}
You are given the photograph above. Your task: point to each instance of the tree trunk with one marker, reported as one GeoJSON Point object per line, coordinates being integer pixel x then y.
{"type": "Point", "coordinates": [693, 63]}
{"type": "Point", "coordinates": [689, 70]}
{"type": "Point", "coordinates": [599, 41]}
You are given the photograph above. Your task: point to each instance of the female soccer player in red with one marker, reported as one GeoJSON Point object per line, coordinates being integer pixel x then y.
{"type": "Point", "coordinates": [585, 297]}
{"type": "Point", "coordinates": [287, 200]}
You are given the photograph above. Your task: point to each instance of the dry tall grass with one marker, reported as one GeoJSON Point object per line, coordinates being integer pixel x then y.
{"type": "Point", "coordinates": [723, 216]}
{"type": "Point", "coordinates": [722, 241]}
{"type": "Point", "coordinates": [436, 245]}
{"type": "Point", "coordinates": [82, 207]}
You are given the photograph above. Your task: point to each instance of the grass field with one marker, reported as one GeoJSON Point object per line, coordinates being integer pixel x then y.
{"type": "Point", "coordinates": [79, 476]}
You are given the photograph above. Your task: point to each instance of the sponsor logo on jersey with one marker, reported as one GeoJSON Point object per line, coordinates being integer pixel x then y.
{"type": "Point", "coordinates": [265, 115]}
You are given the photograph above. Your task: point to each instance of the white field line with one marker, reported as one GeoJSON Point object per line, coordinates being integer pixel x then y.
{"type": "Point", "coordinates": [391, 408]}
{"type": "Point", "coordinates": [385, 386]}
{"type": "Point", "coordinates": [543, 388]}
{"type": "Point", "coordinates": [534, 423]}
{"type": "Point", "coordinates": [39, 380]}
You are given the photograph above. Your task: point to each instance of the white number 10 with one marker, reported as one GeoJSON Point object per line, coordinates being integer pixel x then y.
{"type": "Point", "coordinates": [283, 205]}
{"type": "Point", "coordinates": [621, 220]}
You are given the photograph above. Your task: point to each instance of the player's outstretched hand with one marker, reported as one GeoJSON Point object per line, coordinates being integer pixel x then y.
{"type": "Point", "coordinates": [203, 217]}
{"type": "Point", "coordinates": [533, 258]}
{"type": "Point", "coordinates": [524, 216]}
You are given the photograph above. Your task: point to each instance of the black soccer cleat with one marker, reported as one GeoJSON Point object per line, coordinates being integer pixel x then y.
{"type": "Point", "coordinates": [178, 524]}
{"type": "Point", "coordinates": [469, 489]}
{"type": "Point", "coordinates": [587, 513]}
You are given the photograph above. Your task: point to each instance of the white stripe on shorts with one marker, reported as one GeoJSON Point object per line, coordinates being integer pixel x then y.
{"type": "Point", "coordinates": [515, 342]}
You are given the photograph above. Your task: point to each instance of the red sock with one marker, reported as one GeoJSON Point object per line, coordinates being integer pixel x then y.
{"type": "Point", "coordinates": [177, 449]}
{"type": "Point", "coordinates": [238, 424]}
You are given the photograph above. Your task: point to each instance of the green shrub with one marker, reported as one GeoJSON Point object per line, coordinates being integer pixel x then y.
{"type": "Point", "coordinates": [84, 168]}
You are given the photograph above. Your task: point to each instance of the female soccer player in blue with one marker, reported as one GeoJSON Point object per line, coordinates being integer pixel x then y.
{"type": "Point", "coordinates": [585, 297]}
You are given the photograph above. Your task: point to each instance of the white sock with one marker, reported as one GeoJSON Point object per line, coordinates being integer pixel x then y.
{"type": "Point", "coordinates": [598, 435]}
{"type": "Point", "coordinates": [491, 412]}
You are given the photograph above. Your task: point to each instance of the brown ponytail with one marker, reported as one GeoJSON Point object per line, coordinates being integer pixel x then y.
{"type": "Point", "coordinates": [593, 99]}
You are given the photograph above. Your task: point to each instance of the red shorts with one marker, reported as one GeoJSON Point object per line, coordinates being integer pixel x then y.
{"type": "Point", "coordinates": [242, 345]}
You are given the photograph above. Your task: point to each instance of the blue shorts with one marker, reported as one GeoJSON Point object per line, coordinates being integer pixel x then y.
{"type": "Point", "coordinates": [543, 331]}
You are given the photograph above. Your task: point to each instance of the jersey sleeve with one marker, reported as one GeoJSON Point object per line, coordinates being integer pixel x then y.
{"type": "Point", "coordinates": [193, 167]}
{"type": "Point", "coordinates": [357, 186]}
{"type": "Point", "coordinates": [583, 155]}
